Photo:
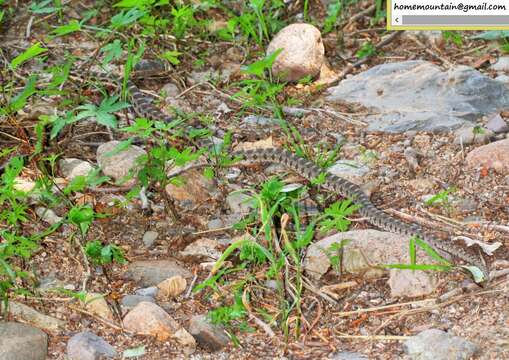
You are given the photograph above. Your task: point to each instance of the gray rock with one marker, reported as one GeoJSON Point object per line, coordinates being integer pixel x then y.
{"type": "Point", "coordinates": [118, 164]}
{"type": "Point", "coordinates": [71, 167]}
{"type": "Point", "coordinates": [497, 124]}
{"type": "Point", "coordinates": [350, 170]}
{"type": "Point", "coordinates": [88, 346]}
{"type": "Point", "coordinates": [22, 342]}
{"type": "Point", "coordinates": [347, 355]}
{"type": "Point", "coordinates": [149, 291]}
{"type": "Point", "coordinates": [130, 301]}
{"type": "Point", "coordinates": [434, 344]}
{"type": "Point", "coordinates": [152, 272]}
{"type": "Point", "coordinates": [502, 64]}
{"type": "Point", "coordinates": [209, 336]}
{"type": "Point", "coordinates": [254, 120]}
{"type": "Point", "coordinates": [171, 90]}
{"type": "Point", "coordinates": [215, 224]}
{"type": "Point", "coordinates": [504, 79]}
{"type": "Point", "coordinates": [149, 238]}
{"type": "Point", "coordinates": [472, 135]}
{"type": "Point", "coordinates": [239, 202]}
{"type": "Point", "coordinates": [48, 215]}
{"type": "Point", "coordinates": [34, 317]}
{"type": "Point", "coordinates": [418, 95]}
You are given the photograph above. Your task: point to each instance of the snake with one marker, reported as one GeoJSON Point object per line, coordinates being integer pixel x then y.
{"type": "Point", "coordinates": [448, 250]}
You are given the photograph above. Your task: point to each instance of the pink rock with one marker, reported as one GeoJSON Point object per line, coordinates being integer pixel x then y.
{"type": "Point", "coordinates": [303, 52]}
{"type": "Point", "coordinates": [147, 318]}
{"type": "Point", "coordinates": [491, 156]}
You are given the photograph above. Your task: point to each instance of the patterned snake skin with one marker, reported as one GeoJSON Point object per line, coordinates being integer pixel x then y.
{"type": "Point", "coordinates": [144, 108]}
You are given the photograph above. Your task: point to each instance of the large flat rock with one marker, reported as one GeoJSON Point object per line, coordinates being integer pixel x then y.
{"type": "Point", "coordinates": [418, 95]}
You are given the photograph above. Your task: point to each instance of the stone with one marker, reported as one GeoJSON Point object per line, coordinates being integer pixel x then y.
{"type": "Point", "coordinates": [196, 189]}
{"type": "Point", "coordinates": [22, 342]}
{"type": "Point", "coordinates": [171, 288]}
{"type": "Point", "coordinates": [209, 336]}
{"type": "Point", "coordinates": [350, 170]}
{"type": "Point", "coordinates": [152, 272]}
{"type": "Point", "coordinates": [202, 250]}
{"type": "Point", "coordinates": [171, 90]}
{"type": "Point", "coordinates": [402, 96]}
{"type": "Point", "coordinates": [472, 135]}
{"type": "Point", "coordinates": [149, 291]}
{"type": "Point", "coordinates": [504, 79]}
{"type": "Point", "coordinates": [149, 238]}
{"type": "Point", "coordinates": [497, 124]}
{"type": "Point", "coordinates": [255, 120]}
{"type": "Point", "coordinates": [363, 252]}
{"type": "Point", "coordinates": [501, 65]}
{"type": "Point", "coordinates": [48, 215]}
{"type": "Point", "coordinates": [430, 37]}
{"type": "Point", "coordinates": [240, 202]}
{"type": "Point", "coordinates": [88, 346]}
{"type": "Point", "coordinates": [348, 355]}
{"type": "Point", "coordinates": [411, 283]}
{"type": "Point", "coordinates": [71, 167]}
{"type": "Point", "coordinates": [130, 301]}
{"type": "Point", "coordinates": [303, 52]}
{"type": "Point", "coordinates": [23, 184]}
{"type": "Point", "coordinates": [434, 344]}
{"type": "Point", "coordinates": [149, 319]}
{"type": "Point", "coordinates": [118, 164]}
{"type": "Point", "coordinates": [492, 156]}
{"type": "Point", "coordinates": [34, 317]}
{"type": "Point", "coordinates": [96, 304]}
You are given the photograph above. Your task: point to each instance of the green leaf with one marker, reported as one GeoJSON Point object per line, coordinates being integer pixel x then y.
{"type": "Point", "coordinates": [126, 18]}
{"type": "Point", "coordinates": [33, 51]}
{"type": "Point", "coordinates": [112, 51]}
{"type": "Point", "coordinates": [102, 113]}
{"type": "Point", "coordinates": [141, 4]}
{"type": "Point", "coordinates": [476, 273]}
{"type": "Point", "coordinates": [134, 352]}
{"type": "Point", "coordinates": [333, 11]}
{"type": "Point", "coordinates": [258, 67]}
{"type": "Point", "coordinates": [69, 28]}
{"type": "Point", "coordinates": [43, 8]}
{"type": "Point", "coordinates": [367, 49]}
{"type": "Point", "coordinates": [19, 101]}
{"type": "Point", "coordinates": [172, 57]}
{"type": "Point", "coordinates": [81, 216]}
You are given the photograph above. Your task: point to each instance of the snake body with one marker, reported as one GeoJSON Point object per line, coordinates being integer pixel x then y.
{"type": "Point", "coordinates": [144, 108]}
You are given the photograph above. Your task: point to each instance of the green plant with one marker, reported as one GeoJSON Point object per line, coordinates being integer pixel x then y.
{"type": "Point", "coordinates": [103, 113]}
{"type": "Point", "coordinates": [101, 254]}
{"type": "Point", "coordinates": [367, 49]}
{"type": "Point", "coordinates": [276, 249]}
{"type": "Point", "coordinates": [454, 37]}
{"type": "Point", "coordinates": [183, 19]}
{"type": "Point", "coordinates": [441, 198]}
{"type": "Point", "coordinates": [333, 12]}
{"type": "Point", "coordinates": [260, 88]}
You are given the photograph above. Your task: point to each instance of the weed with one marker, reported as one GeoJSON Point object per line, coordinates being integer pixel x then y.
{"type": "Point", "coordinates": [454, 37]}
{"type": "Point", "coordinates": [333, 12]}
{"type": "Point", "coordinates": [277, 250]}
{"type": "Point", "coordinates": [367, 49]}
{"type": "Point", "coordinates": [101, 254]}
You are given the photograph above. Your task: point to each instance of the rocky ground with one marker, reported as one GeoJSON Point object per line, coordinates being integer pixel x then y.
{"type": "Point", "coordinates": [422, 117]}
